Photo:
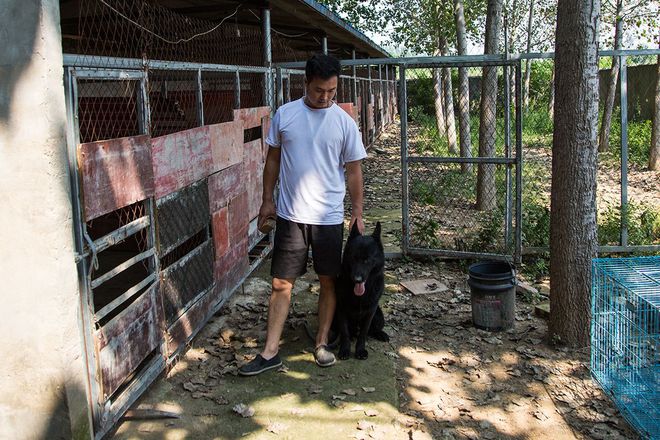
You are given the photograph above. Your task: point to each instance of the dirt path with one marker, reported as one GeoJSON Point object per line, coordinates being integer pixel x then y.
{"type": "Point", "coordinates": [438, 378]}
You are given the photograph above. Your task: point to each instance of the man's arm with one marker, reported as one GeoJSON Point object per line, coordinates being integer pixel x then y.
{"type": "Point", "coordinates": [355, 189]}
{"type": "Point", "coordinates": [271, 174]}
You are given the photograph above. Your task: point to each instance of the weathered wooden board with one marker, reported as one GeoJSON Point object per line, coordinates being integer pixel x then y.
{"type": "Point", "coordinates": [186, 279]}
{"type": "Point", "coordinates": [370, 117]}
{"type": "Point", "coordinates": [115, 173]}
{"type": "Point", "coordinates": [180, 159]}
{"type": "Point", "coordinates": [226, 144]}
{"type": "Point", "coordinates": [251, 117]}
{"type": "Point", "coordinates": [265, 127]}
{"type": "Point", "coordinates": [181, 214]}
{"type": "Point", "coordinates": [253, 160]}
{"type": "Point", "coordinates": [231, 267]}
{"type": "Point", "coordinates": [186, 326]}
{"type": "Point", "coordinates": [127, 339]}
{"type": "Point", "coordinates": [225, 185]}
{"type": "Point", "coordinates": [220, 223]}
{"type": "Point", "coordinates": [238, 218]}
{"type": "Point", "coordinates": [349, 108]}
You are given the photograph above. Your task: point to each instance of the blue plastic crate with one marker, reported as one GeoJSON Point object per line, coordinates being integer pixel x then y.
{"type": "Point", "coordinates": [625, 337]}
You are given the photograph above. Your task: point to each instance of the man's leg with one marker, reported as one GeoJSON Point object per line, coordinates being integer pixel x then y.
{"type": "Point", "coordinates": [278, 309]}
{"type": "Point", "coordinates": [326, 310]}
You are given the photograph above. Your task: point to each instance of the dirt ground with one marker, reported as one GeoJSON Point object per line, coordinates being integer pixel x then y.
{"type": "Point", "coordinates": [438, 378]}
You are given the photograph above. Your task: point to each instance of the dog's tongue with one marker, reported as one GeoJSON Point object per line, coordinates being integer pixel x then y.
{"type": "Point", "coordinates": [358, 289]}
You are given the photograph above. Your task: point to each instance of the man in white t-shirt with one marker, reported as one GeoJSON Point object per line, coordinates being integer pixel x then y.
{"type": "Point", "coordinates": [311, 141]}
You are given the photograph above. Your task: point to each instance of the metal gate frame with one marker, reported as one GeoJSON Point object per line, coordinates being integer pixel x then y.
{"type": "Point", "coordinates": [513, 196]}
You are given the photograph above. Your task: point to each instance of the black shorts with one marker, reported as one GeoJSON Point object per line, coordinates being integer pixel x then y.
{"type": "Point", "coordinates": [291, 247]}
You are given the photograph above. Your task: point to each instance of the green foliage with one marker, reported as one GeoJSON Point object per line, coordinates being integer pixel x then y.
{"type": "Point", "coordinates": [643, 224]}
{"type": "Point", "coordinates": [426, 232]}
{"type": "Point", "coordinates": [639, 142]}
{"type": "Point", "coordinates": [540, 82]}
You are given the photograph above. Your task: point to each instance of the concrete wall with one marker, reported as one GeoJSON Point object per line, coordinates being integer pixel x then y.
{"type": "Point", "coordinates": [42, 375]}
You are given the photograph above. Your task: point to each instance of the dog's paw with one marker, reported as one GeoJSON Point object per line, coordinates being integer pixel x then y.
{"type": "Point", "coordinates": [361, 353]}
{"type": "Point", "coordinates": [381, 336]}
{"type": "Point", "coordinates": [344, 353]}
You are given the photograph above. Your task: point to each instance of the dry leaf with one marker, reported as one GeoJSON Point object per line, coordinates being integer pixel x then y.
{"type": "Point", "coordinates": [363, 425]}
{"type": "Point", "coordinates": [371, 413]}
{"type": "Point", "coordinates": [244, 410]}
{"type": "Point", "coordinates": [338, 397]}
{"type": "Point", "coordinates": [368, 389]}
{"type": "Point", "coordinates": [349, 392]}
{"type": "Point", "coordinates": [275, 428]}
{"type": "Point", "coordinates": [315, 389]}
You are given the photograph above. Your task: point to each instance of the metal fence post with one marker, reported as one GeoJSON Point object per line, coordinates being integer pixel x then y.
{"type": "Point", "coordinates": [519, 164]}
{"type": "Point", "coordinates": [237, 90]}
{"type": "Point", "coordinates": [200, 99]}
{"type": "Point", "coordinates": [507, 153]}
{"type": "Point", "coordinates": [268, 58]}
{"type": "Point", "coordinates": [280, 87]}
{"type": "Point", "coordinates": [354, 80]}
{"type": "Point", "coordinates": [403, 96]}
{"type": "Point", "coordinates": [324, 44]}
{"type": "Point", "coordinates": [623, 77]}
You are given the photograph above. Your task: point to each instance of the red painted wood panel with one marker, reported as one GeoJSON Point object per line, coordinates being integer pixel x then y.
{"type": "Point", "coordinates": [220, 223]}
{"type": "Point", "coordinates": [231, 267]}
{"type": "Point", "coordinates": [349, 108]}
{"type": "Point", "coordinates": [265, 126]}
{"type": "Point", "coordinates": [115, 173]}
{"type": "Point", "coordinates": [251, 117]}
{"type": "Point", "coordinates": [225, 185]}
{"type": "Point", "coordinates": [180, 159]}
{"type": "Point", "coordinates": [126, 340]}
{"type": "Point", "coordinates": [226, 144]}
{"type": "Point", "coordinates": [238, 219]}
{"type": "Point", "coordinates": [253, 161]}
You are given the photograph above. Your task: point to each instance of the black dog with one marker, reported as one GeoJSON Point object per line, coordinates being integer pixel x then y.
{"type": "Point", "coordinates": [359, 287]}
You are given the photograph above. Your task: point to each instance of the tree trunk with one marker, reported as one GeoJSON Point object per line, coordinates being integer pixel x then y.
{"type": "Point", "coordinates": [486, 190]}
{"type": "Point", "coordinates": [438, 101]}
{"type": "Point", "coordinates": [654, 157]}
{"type": "Point", "coordinates": [608, 107]}
{"type": "Point", "coordinates": [573, 241]}
{"type": "Point", "coordinates": [528, 63]}
{"type": "Point", "coordinates": [463, 87]}
{"type": "Point", "coordinates": [450, 120]}
{"type": "Point", "coordinates": [551, 102]}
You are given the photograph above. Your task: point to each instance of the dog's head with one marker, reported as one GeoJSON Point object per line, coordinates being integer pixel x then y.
{"type": "Point", "coordinates": [363, 255]}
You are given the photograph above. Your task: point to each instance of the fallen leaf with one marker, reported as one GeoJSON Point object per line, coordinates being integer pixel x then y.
{"type": "Point", "coordinates": [363, 425]}
{"type": "Point", "coordinates": [368, 389]}
{"type": "Point", "coordinates": [349, 392]}
{"type": "Point", "coordinates": [392, 354]}
{"type": "Point", "coordinates": [371, 413]}
{"type": "Point", "coordinates": [315, 389]}
{"type": "Point", "coordinates": [244, 410]}
{"type": "Point", "coordinates": [338, 397]}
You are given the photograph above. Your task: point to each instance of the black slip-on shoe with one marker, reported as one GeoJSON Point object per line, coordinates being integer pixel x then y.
{"type": "Point", "coordinates": [324, 357]}
{"type": "Point", "coordinates": [259, 365]}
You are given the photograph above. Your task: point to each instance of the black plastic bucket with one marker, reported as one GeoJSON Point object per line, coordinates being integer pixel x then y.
{"type": "Point", "coordinates": [492, 295]}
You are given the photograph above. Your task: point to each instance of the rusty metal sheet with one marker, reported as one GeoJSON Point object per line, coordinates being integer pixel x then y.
{"type": "Point", "coordinates": [225, 185]}
{"type": "Point", "coordinates": [226, 144]}
{"type": "Point", "coordinates": [251, 117]}
{"type": "Point", "coordinates": [238, 218]}
{"type": "Point", "coordinates": [253, 161]}
{"type": "Point", "coordinates": [180, 159]}
{"type": "Point", "coordinates": [231, 267]}
{"type": "Point", "coordinates": [187, 326]}
{"type": "Point", "coordinates": [181, 215]}
{"type": "Point", "coordinates": [220, 224]}
{"type": "Point", "coordinates": [186, 279]}
{"type": "Point", "coordinates": [265, 126]}
{"type": "Point", "coordinates": [115, 173]}
{"type": "Point", "coordinates": [349, 108]}
{"type": "Point", "coordinates": [127, 339]}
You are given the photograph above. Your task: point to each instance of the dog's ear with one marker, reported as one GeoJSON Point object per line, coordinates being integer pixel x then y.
{"type": "Point", "coordinates": [376, 233]}
{"type": "Point", "coordinates": [354, 231]}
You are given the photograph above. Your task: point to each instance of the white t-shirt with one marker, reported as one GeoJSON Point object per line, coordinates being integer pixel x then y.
{"type": "Point", "coordinates": [315, 143]}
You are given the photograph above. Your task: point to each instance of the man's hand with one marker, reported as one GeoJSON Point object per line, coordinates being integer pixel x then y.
{"type": "Point", "coordinates": [266, 212]}
{"type": "Point", "coordinates": [360, 223]}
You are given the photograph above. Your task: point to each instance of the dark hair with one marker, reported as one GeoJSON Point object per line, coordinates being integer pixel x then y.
{"type": "Point", "coordinates": [322, 66]}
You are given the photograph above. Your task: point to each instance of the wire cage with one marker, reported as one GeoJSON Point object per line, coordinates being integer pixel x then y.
{"type": "Point", "coordinates": [625, 337]}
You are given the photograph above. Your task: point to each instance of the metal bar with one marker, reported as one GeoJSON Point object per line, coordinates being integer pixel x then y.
{"type": "Point", "coordinates": [457, 254]}
{"type": "Point", "coordinates": [280, 87]}
{"type": "Point", "coordinates": [124, 297]}
{"type": "Point", "coordinates": [117, 74]}
{"type": "Point", "coordinates": [145, 104]}
{"type": "Point", "coordinates": [623, 77]}
{"type": "Point", "coordinates": [477, 160]}
{"type": "Point", "coordinates": [403, 95]}
{"type": "Point", "coordinates": [507, 153]}
{"type": "Point", "coordinates": [92, 390]}
{"type": "Point", "coordinates": [268, 58]}
{"type": "Point", "coordinates": [200, 99]}
{"type": "Point", "coordinates": [412, 61]}
{"type": "Point", "coordinates": [602, 53]}
{"type": "Point", "coordinates": [120, 268]}
{"type": "Point", "coordinates": [72, 60]}
{"type": "Point", "coordinates": [324, 44]}
{"type": "Point", "coordinates": [119, 235]}
{"type": "Point", "coordinates": [519, 165]}
{"type": "Point", "coordinates": [532, 250]}
{"type": "Point", "coordinates": [237, 90]}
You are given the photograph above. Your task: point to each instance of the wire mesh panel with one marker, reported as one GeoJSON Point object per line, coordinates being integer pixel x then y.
{"type": "Point", "coordinates": [625, 337]}
{"type": "Point", "coordinates": [173, 102]}
{"type": "Point", "coordinates": [219, 96]}
{"type": "Point", "coordinates": [462, 170]}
